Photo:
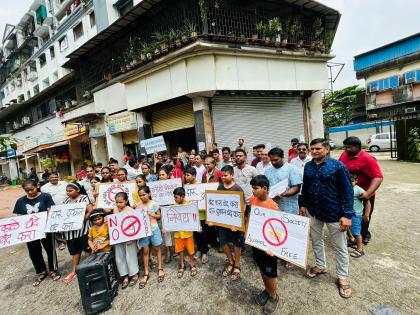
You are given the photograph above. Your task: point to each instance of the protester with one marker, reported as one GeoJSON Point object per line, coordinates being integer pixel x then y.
{"type": "Point", "coordinates": [212, 174]}
{"type": "Point", "coordinates": [225, 158]}
{"type": "Point", "coordinates": [35, 202]}
{"type": "Point", "coordinates": [93, 182]}
{"type": "Point", "coordinates": [200, 168]}
{"type": "Point", "coordinates": [327, 199]}
{"type": "Point", "coordinates": [127, 157]}
{"type": "Point", "coordinates": [264, 163]}
{"type": "Point", "coordinates": [241, 145]}
{"type": "Point", "coordinates": [85, 182]}
{"type": "Point", "coordinates": [216, 155]}
{"type": "Point", "coordinates": [177, 170]}
{"type": "Point", "coordinates": [98, 168]}
{"type": "Point", "coordinates": [45, 175]}
{"type": "Point", "coordinates": [122, 176]}
{"type": "Point", "coordinates": [182, 155]}
{"type": "Point", "coordinates": [265, 260]}
{"type": "Point", "coordinates": [141, 181]}
{"type": "Point", "coordinates": [98, 236]}
{"type": "Point", "coordinates": [133, 169]}
{"type": "Point", "coordinates": [114, 167]}
{"type": "Point", "coordinates": [33, 175]}
{"type": "Point", "coordinates": [292, 151]}
{"type": "Point", "coordinates": [77, 241]}
{"type": "Point", "coordinates": [300, 161]}
{"type": "Point", "coordinates": [191, 160]}
{"type": "Point", "coordinates": [82, 173]}
{"type": "Point", "coordinates": [184, 240]}
{"type": "Point", "coordinates": [259, 148]}
{"type": "Point", "coordinates": [155, 239]}
{"type": "Point", "coordinates": [145, 167]}
{"type": "Point", "coordinates": [369, 175]}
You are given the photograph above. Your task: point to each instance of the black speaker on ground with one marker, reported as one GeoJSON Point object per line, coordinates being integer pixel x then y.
{"type": "Point", "coordinates": [98, 282]}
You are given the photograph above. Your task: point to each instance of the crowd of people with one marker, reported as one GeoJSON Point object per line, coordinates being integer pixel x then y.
{"type": "Point", "coordinates": [337, 193]}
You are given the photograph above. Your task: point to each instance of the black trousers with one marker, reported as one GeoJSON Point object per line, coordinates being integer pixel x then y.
{"type": "Point", "coordinates": [202, 238]}
{"type": "Point", "coordinates": [35, 253]}
{"type": "Point", "coordinates": [365, 225]}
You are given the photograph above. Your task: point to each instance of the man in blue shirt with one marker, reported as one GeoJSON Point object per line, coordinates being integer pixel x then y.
{"type": "Point", "coordinates": [327, 198]}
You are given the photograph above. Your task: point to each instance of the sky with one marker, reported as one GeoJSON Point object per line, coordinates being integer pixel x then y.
{"type": "Point", "coordinates": [364, 25]}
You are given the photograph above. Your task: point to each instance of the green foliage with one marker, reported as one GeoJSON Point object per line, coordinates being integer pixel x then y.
{"type": "Point", "coordinates": [296, 29]}
{"type": "Point", "coordinates": [261, 28]}
{"type": "Point", "coordinates": [274, 26]}
{"type": "Point", "coordinates": [7, 141]}
{"type": "Point", "coordinates": [329, 37]}
{"type": "Point", "coordinates": [414, 144]}
{"type": "Point", "coordinates": [338, 105]}
{"type": "Point", "coordinates": [318, 29]}
{"type": "Point", "coordinates": [161, 38]}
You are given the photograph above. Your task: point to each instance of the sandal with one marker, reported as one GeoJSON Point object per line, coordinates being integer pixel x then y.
{"type": "Point", "coordinates": [70, 277]}
{"type": "Point", "coordinates": [133, 280]}
{"type": "Point", "coordinates": [168, 259]}
{"type": "Point", "coordinates": [143, 281]}
{"type": "Point", "coordinates": [289, 266]}
{"type": "Point", "coordinates": [125, 284]}
{"type": "Point", "coordinates": [193, 271]}
{"type": "Point", "coordinates": [357, 254]}
{"type": "Point", "coordinates": [40, 277]}
{"type": "Point", "coordinates": [55, 275]}
{"type": "Point", "coordinates": [180, 272]}
{"type": "Point", "coordinates": [312, 273]}
{"type": "Point", "coordinates": [204, 259]}
{"type": "Point", "coordinates": [161, 278]}
{"type": "Point", "coordinates": [227, 270]}
{"type": "Point", "coordinates": [341, 289]}
{"type": "Point", "coordinates": [235, 274]}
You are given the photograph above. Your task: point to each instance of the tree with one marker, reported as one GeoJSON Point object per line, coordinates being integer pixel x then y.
{"type": "Point", "coordinates": [338, 105]}
{"type": "Point", "coordinates": [6, 141]}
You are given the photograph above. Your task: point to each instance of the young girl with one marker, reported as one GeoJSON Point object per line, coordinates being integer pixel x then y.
{"type": "Point", "coordinates": [98, 234]}
{"type": "Point", "coordinates": [34, 202]}
{"type": "Point", "coordinates": [126, 253]}
{"type": "Point", "coordinates": [106, 178]}
{"type": "Point", "coordinates": [155, 239]}
{"type": "Point", "coordinates": [141, 181]}
{"type": "Point", "coordinates": [77, 241]}
{"type": "Point", "coordinates": [122, 175]}
{"type": "Point", "coordinates": [145, 167]}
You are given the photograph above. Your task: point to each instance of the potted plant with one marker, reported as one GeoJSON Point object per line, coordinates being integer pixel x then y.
{"type": "Point", "coordinates": [147, 50]}
{"type": "Point", "coordinates": [318, 30]}
{"type": "Point", "coordinates": [192, 29]}
{"type": "Point", "coordinates": [261, 29]}
{"type": "Point", "coordinates": [274, 30]}
{"type": "Point", "coordinates": [178, 36]}
{"type": "Point", "coordinates": [285, 33]}
{"type": "Point", "coordinates": [296, 32]}
{"type": "Point", "coordinates": [329, 37]}
{"type": "Point", "coordinates": [162, 40]}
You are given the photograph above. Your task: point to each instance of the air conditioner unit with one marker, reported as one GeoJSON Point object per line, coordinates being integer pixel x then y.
{"type": "Point", "coordinates": [16, 125]}
{"type": "Point", "coordinates": [32, 76]}
{"type": "Point", "coordinates": [410, 110]}
{"type": "Point", "coordinates": [26, 120]}
{"type": "Point", "coordinates": [374, 89]}
{"type": "Point", "coordinates": [410, 80]}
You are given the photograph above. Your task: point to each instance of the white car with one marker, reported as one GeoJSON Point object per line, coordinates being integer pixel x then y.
{"type": "Point", "coordinates": [381, 142]}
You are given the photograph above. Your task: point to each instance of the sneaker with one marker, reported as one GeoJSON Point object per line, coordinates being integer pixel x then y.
{"type": "Point", "coordinates": [271, 305]}
{"type": "Point", "coordinates": [261, 299]}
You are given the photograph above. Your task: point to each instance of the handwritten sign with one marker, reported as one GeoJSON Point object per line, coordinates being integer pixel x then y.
{"type": "Point", "coordinates": [226, 209]}
{"type": "Point", "coordinates": [285, 235]}
{"type": "Point", "coordinates": [163, 190]}
{"type": "Point", "coordinates": [180, 218]}
{"type": "Point", "coordinates": [22, 229]}
{"type": "Point", "coordinates": [278, 188]}
{"type": "Point", "coordinates": [153, 144]}
{"type": "Point", "coordinates": [128, 225]}
{"type": "Point", "coordinates": [66, 217]}
{"type": "Point", "coordinates": [107, 192]}
{"type": "Point", "coordinates": [196, 193]}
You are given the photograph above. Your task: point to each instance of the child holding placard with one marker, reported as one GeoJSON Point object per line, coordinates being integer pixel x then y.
{"type": "Point", "coordinates": [126, 253]}
{"type": "Point", "coordinates": [141, 181]}
{"type": "Point", "coordinates": [266, 261]}
{"type": "Point", "coordinates": [98, 234]}
{"type": "Point", "coordinates": [184, 240]}
{"type": "Point", "coordinates": [155, 239]}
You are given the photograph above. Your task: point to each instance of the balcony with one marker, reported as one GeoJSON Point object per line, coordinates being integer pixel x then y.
{"type": "Point", "coordinates": [42, 30]}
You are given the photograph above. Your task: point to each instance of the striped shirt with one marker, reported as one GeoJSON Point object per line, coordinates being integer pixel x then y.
{"type": "Point", "coordinates": [86, 224]}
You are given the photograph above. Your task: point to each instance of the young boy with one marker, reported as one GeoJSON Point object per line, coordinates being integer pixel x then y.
{"type": "Point", "coordinates": [266, 261]}
{"type": "Point", "coordinates": [362, 211]}
{"type": "Point", "coordinates": [201, 238]}
{"type": "Point", "coordinates": [98, 237]}
{"type": "Point", "coordinates": [226, 235]}
{"type": "Point", "coordinates": [184, 240]}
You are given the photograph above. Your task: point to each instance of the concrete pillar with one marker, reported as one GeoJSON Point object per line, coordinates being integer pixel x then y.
{"type": "Point", "coordinates": [203, 122]}
{"type": "Point", "coordinates": [115, 146]}
{"type": "Point", "coordinates": [13, 168]}
{"type": "Point", "coordinates": [99, 151]}
{"type": "Point", "coordinates": [314, 115]}
{"type": "Point", "coordinates": [144, 130]}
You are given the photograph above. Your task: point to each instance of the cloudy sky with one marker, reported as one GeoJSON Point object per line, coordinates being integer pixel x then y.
{"type": "Point", "coordinates": [364, 25]}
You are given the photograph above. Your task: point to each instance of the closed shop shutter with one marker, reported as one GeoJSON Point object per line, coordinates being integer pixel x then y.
{"type": "Point", "coordinates": [273, 120]}
{"type": "Point", "coordinates": [130, 137]}
{"type": "Point", "coordinates": [173, 118]}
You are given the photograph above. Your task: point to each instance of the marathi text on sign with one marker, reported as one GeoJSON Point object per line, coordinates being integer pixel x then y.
{"type": "Point", "coordinates": [196, 193]}
{"type": "Point", "coordinates": [180, 218]}
{"type": "Point", "coordinates": [163, 190]}
{"type": "Point", "coordinates": [153, 144]}
{"type": "Point", "coordinates": [66, 217]}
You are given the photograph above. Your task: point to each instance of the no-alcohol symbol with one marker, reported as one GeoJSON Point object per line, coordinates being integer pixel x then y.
{"type": "Point", "coordinates": [130, 226]}
{"type": "Point", "coordinates": [274, 232]}
{"type": "Point", "coordinates": [113, 191]}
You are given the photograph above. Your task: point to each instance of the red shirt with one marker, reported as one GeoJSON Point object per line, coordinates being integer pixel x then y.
{"type": "Point", "coordinates": [364, 166]}
{"type": "Point", "coordinates": [291, 151]}
{"type": "Point", "coordinates": [255, 162]}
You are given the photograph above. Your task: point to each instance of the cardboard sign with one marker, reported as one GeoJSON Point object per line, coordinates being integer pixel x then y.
{"type": "Point", "coordinates": [226, 209]}
{"type": "Point", "coordinates": [107, 192]}
{"type": "Point", "coordinates": [66, 217]}
{"type": "Point", "coordinates": [196, 193]}
{"type": "Point", "coordinates": [128, 225]}
{"type": "Point", "coordinates": [22, 229]}
{"type": "Point", "coordinates": [278, 188]}
{"type": "Point", "coordinates": [180, 218]}
{"type": "Point", "coordinates": [285, 235]}
{"type": "Point", "coordinates": [163, 190]}
{"type": "Point", "coordinates": [153, 144]}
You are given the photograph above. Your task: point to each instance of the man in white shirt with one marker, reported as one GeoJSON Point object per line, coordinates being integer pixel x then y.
{"type": "Point", "coordinates": [243, 173]}
{"type": "Point", "coordinates": [300, 161]}
{"type": "Point", "coordinates": [200, 168]}
{"type": "Point", "coordinates": [85, 182]}
{"type": "Point", "coordinates": [133, 169]}
{"type": "Point", "coordinates": [264, 163]}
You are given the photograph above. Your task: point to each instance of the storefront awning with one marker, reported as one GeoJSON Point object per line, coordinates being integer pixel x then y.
{"type": "Point", "coordinates": [27, 157]}
{"type": "Point", "coordinates": [52, 145]}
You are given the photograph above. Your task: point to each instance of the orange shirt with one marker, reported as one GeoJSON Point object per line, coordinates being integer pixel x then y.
{"type": "Point", "coordinates": [268, 203]}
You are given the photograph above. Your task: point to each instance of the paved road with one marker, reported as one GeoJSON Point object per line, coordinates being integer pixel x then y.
{"type": "Point", "coordinates": [389, 274]}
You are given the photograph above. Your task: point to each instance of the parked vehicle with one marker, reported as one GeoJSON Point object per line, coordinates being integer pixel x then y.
{"type": "Point", "coordinates": [4, 180]}
{"type": "Point", "coordinates": [381, 142]}
{"type": "Point", "coordinates": [332, 144]}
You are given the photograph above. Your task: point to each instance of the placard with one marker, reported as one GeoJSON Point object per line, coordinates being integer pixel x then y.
{"type": "Point", "coordinates": [107, 192]}
{"type": "Point", "coordinates": [196, 193]}
{"type": "Point", "coordinates": [22, 228]}
{"type": "Point", "coordinates": [153, 144]}
{"type": "Point", "coordinates": [226, 209]}
{"type": "Point", "coordinates": [128, 225]}
{"type": "Point", "coordinates": [278, 188]}
{"type": "Point", "coordinates": [285, 235]}
{"type": "Point", "coordinates": [163, 190]}
{"type": "Point", "coordinates": [66, 217]}
{"type": "Point", "coordinates": [180, 218]}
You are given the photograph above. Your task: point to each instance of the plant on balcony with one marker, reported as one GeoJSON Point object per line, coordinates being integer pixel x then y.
{"type": "Point", "coordinates": [296, 32]}
{"type": "Point", "coordinates": [329, 37]}
{"type": "Point", "coordinates": [285, 33]}
{"type": "Point", "coordinates": [132, 51]}
{"type": "Point", "coordinates": [191, 29]}
{"type": "Point", "coordinates": [274, 29]}
{"type": "Point", "coordinates": [147, 50]}
{"type": "Point", "coordinates": [318, 31]}
{"type": "Point", "coordinates": [162, 40]}
{"type": "Point", "coordinates": [261, 29]}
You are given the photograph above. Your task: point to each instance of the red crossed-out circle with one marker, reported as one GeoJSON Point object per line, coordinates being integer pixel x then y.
{"type": "Point", "coordinates": [113, 191]}
{"type": "Point", "coordinates": [279, 241]}
{"type": "Point", "coordinates": [131, 228]}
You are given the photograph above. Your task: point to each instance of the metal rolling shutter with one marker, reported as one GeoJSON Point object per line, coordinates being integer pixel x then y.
{"type": "Point", "coordinates": [173, 118]}
{"type": "Point", "coordinates": [273, 120]}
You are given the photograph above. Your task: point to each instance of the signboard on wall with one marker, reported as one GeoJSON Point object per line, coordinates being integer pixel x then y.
{"type": "Point", "coordinates": [122, 122]}
{"type": "Point", "coordinates": [97, 129]}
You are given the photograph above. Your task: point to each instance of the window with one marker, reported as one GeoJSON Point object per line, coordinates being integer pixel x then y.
{"type": "Point", "coordinates": [78, 31]}
{"type": "Point", "coordinates": [92, 19]}
{"type": "Point", "coordinates": [41, 14]}
{"type": "Point", "coordinates": [52, 52]}
{"type": "Point", "coordinates": [383, 136]}
{"type": "Point", "coordinates": [63, 42]}
{"type": "Point", "coordinates": [384, 84]}
{"type": "Point", "coordinates": [42, 60]}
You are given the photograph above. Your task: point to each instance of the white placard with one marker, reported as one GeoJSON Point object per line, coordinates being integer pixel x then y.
{"type": "Point", "coordinates": [180, 218]}
{"type": "Point", "coordinates": [128, 225]}
{"type": "Point", "coordinates": [163, 190]}
{"type": "Point", "coordinates": [226, 209]}
{"type": "Point", "coordinates": [107, 192]}
{"type": "Point", "coordinates": [153, 144]}
{"type": "Point", "coordinates": [22, 229]}
{"type": "Point", "coordinates": [66, 217]}
{"type": "Point", "coordinates": [278, 188]}
{"type": "Point", "coordinates": [285, 235]}
{"type": "Point", "coordinates": [196, 193]}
